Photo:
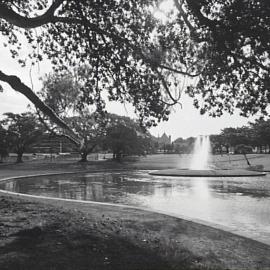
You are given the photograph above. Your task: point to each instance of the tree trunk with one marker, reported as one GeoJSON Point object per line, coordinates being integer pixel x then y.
{"type": "Point", "coordinates": [84, 157]}
{"type": "Point", "coordinates": [247, 159]}
{"type": "Point", "coordinates": [118, 156]}
{"type": "Point", "coordinates": [19, 157]}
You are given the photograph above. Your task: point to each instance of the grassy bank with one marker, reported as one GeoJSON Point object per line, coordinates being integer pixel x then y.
{"type": "Point", "coordinates": [44, 234]}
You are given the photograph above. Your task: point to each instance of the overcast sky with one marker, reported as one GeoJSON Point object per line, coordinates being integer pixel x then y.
{"type": "Point", "coordinates": [184, 122]}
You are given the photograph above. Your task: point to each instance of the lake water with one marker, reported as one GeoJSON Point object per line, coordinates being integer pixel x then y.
{"type": "Point", "coordinates": [242, 204]}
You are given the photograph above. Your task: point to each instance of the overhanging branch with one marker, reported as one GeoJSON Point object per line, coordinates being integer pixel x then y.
{"type": "Point", "coordinates": [16, 19]}
{"type": "Point", "coordinates": [18, 86]}
{"type": "Point", "coordinates": [184, 15]}
{"type": "Point", "coordinates": [164, 83]}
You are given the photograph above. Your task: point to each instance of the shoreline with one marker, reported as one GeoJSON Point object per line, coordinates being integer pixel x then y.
{"type": "Point", "coordinates": [173, 242]}
{"type": "Point", "coordinates": [120, 206]}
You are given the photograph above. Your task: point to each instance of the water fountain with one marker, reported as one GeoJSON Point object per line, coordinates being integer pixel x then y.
{"type": "Point", "coordinates": [201, 154]}
{"type": "Point", "coordinates": [200, 165]}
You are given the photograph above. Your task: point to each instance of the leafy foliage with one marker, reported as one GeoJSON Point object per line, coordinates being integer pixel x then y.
{"type": "Point", "coordinates": [22, 131]}
{"type": "Point", "coordinates": [125, 137]}
{"type": "Point", "coordinates": [261, 128]}
{"type": "Point", "coordinates": [59, 93]}
{"type": "Point", "coordinates": [232, 137]}
{"type": "Point", "coordinates": [117, 40]}
{"type": "Point", "coordinates": [254, 135]}
{"type": "Point", "coordinates": [134, 57]}
{"type": "Point", "coordinates": [184, 146]}
{"type": "Point", "coordinates": [236, 59]}
{"type": "Point", "coordinates": [4, 145]}
{"type": "Point", "coordinates": [91, 128]}
{"type": "Point", "coordinates": [62, 93]}
{"type": "Point", "coordinates": [243, 149]}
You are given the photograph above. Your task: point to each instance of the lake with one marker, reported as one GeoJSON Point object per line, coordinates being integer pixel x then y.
{"type": "Point", "coordinates": [240, 203]}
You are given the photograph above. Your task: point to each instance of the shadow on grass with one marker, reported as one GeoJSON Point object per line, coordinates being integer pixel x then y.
{"type": "Point", "coordinates": [50, 248]}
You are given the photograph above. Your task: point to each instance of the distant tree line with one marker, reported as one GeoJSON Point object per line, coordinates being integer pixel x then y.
{"type": "Point", "coordinates": [121, 136]}
{"type": "Point", "coordinates": [255, 138]}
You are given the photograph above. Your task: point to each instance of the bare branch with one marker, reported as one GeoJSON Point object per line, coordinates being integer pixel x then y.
{"type": "Point", "coordinates": [164, 83]}
{"type": "Point", "coordinates": [179, 71]}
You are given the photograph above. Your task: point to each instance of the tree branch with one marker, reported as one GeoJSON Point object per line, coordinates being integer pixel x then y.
{"type": "Point", "coordinates": [179, 71]}
{"type": "Point", "coordinates": [18, 86]}
{"type": "Point", "coordinates": [164, 83]}
{"type": "Point", "coordinates": [195, 7]}
{"type": "Point", "coordinates": [42, 121]}
{"type": "Point", "coordinates": [184, 15]}
{"type": "Point", "coordinates": [16, 19]}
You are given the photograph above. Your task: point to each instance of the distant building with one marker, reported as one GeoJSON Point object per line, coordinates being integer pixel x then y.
{"type": "Point", "coordinates": [164, 139]}
{"type": "Point", "coordinates": [53, 144]}
{"type": "Point", "coordinates": [163, 144]}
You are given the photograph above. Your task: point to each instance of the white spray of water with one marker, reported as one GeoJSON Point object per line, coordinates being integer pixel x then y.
{"type": "Point", "coordinates": [201, 154]}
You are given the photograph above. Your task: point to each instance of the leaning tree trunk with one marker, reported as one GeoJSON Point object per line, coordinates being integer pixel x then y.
{"type": "Point", "coordinates": [19, 157]}
{"type": "Point", "coordinates": [118, 156]}
{"type": "Point", "coordinates": [248, 163]}
{"type": "Point", "coordinates": [20, 87]}
{"type": "Point", "coordinates": [83, 157]}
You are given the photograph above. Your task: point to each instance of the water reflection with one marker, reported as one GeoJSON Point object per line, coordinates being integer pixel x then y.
{"type": "Point", "coordinates": [234, 202]}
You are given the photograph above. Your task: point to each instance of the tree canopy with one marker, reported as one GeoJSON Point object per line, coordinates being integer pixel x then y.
{"type": "Point", "coordinates": [115, 38]}
{"type": "Point", "coordinates": [91, 128]}
{"type": "Point", "coordinates": [125, 137]}
{"type": "Point", "coordinates": [4, 145]}
{"type": "Point", "coordinates": [255, 135]}
{"type": "Point", "coordinates": [135, 57]}
{"type": "Point", "coordinates": [22, 131]}
{"type": "Point", "coordinates": [236, 70]}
